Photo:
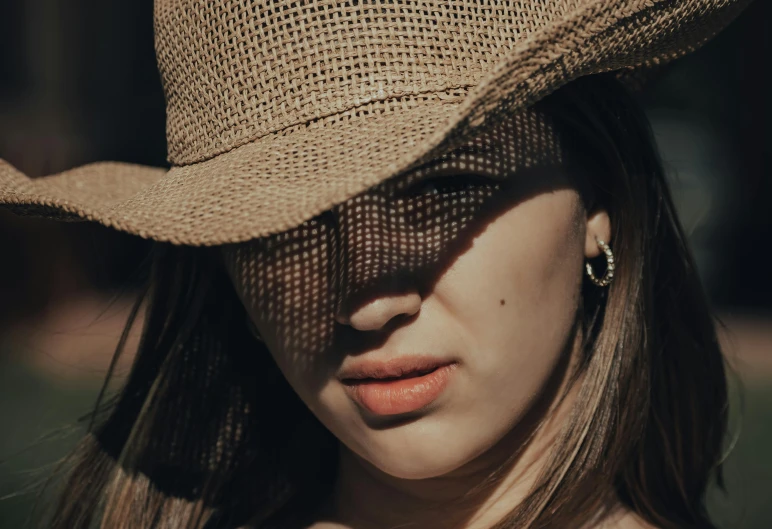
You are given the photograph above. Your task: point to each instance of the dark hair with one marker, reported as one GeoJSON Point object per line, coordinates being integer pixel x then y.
{"type": "Point", "coordinates": [190, 442]}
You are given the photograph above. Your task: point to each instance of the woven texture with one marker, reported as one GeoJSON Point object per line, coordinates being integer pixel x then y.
{"type": "Point", "coordinates": [399, 230]}
{"type": "Point", "coordinates": [277, 111]}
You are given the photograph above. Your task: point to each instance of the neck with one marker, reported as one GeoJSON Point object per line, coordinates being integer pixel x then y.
{"type": "Point", "coordinates": [475, 496]}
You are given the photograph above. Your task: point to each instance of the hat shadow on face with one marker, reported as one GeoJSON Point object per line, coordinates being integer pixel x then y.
{"type": "Point", "coordinates": [393, 239]}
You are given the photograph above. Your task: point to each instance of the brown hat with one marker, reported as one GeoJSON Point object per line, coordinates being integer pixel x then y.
{"type": "Point", "coordinates": [279, 110]}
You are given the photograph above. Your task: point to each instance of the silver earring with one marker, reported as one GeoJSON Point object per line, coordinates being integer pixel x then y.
{"type": "Point", "coordinates": [253, 330]}
{"type": "Point", "coordinates": [609, 275]}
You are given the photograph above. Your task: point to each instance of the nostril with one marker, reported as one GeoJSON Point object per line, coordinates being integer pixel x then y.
{"type": "Point", "coordinates": [385, 312]}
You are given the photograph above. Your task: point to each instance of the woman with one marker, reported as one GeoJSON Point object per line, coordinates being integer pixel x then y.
{"type": "Point", "coordinates": [502, 328]}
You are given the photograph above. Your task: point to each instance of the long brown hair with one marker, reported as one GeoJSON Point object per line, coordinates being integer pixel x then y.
{"type": "Point", "coordinates": [197, 437]}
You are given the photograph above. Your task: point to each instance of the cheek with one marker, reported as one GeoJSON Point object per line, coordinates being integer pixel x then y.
{"type": "Point", "coordinates": [536, 255]}
{"type": "Point", "coordinates": [518, 313]}
{"type": "Point", "coordinates": [287, 294]}
{"type": "Point", "coordinates": [531, 258]}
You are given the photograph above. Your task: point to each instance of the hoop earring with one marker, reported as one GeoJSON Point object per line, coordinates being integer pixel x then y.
{"type": "Point", "coordinates": [253, 330]}
{"type": "Point", "coordinates": [609, 275]}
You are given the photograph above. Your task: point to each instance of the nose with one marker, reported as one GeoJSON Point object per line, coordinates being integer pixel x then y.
{"type": "Point", "coordinates": [376, 264]}
{"type": "Point", "coordinates": [378, 312]}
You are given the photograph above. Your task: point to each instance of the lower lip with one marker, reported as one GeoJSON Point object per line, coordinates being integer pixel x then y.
{"type": "Point", "coordinates": [403, 395]}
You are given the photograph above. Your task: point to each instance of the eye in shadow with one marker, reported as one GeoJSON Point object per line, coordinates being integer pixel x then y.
{"type": "Point", "coordinates": [448, 184]}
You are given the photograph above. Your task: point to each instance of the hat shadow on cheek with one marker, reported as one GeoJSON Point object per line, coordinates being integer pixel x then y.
{"type": "Point", "coordinates": [387, 241]}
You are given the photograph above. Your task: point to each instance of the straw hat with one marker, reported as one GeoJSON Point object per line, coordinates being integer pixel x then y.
{"type": "Point", "coordinates": [279, 110]}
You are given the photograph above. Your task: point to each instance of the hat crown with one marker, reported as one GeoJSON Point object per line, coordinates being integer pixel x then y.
{"type": "Point", "coordinates": [236, 70]}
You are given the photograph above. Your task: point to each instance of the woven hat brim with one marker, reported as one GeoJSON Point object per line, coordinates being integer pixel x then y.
{"type": "Point", "coordinates": [285, 178]}
{"type": "Point", "coordinates": [257, 189]}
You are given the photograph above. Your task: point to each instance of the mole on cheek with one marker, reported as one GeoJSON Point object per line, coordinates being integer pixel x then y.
{"type": "Point", "coordinates": [501, 302]}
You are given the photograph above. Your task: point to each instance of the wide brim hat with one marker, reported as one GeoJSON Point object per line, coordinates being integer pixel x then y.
{"type": "Point", "coordinates": [277, 111]}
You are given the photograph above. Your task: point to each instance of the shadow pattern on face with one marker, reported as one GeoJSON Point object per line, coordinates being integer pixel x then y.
{"type": "Point", "coordinates": [396, 237]}
{"type": "Point", "coordinates": [205, 415]}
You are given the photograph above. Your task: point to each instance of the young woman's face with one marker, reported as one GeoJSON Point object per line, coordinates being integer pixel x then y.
{"type": "Point", "coordinates": [479, 276]}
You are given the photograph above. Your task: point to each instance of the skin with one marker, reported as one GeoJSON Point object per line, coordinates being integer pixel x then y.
{"type": "Point", "coordinates": [503, 304]}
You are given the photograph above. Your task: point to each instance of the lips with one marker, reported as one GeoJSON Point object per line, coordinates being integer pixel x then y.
{"type": "Point", "coordinates": [398, 386]}
{"type": "Point", "coordinates": [401, 367]}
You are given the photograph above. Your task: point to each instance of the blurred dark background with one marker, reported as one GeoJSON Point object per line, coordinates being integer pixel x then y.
{"type": "Point", "coordinates": [78, 83]}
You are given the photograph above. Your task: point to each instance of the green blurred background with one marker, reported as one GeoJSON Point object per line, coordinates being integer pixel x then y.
{"type": "Point", "coordinates": [78, 84]}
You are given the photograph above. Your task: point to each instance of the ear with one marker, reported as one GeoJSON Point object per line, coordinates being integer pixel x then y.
{"type": "Point", "coordinates": [598, 227]}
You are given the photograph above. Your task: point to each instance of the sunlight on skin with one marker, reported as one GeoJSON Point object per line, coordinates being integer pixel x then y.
{"type": "Point", "coordinates": [487, 274]}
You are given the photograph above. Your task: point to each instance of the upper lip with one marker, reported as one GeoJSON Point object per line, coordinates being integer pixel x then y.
{"type": "Point", "coordinates": [396, 367]}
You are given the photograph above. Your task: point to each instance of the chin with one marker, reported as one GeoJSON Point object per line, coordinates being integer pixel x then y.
{"type": "Point", "coordinates": [418, 458]}
{"type": "Point", "coordinates": [415, 469]}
